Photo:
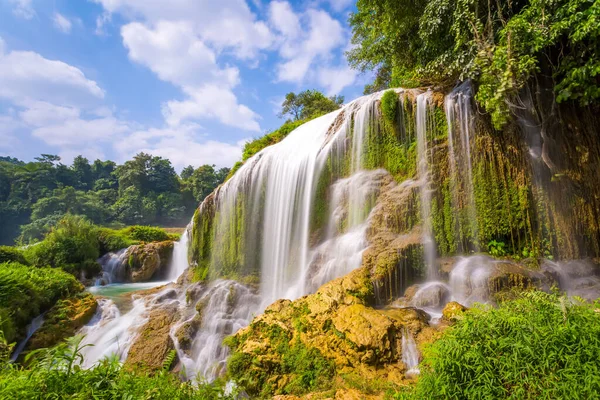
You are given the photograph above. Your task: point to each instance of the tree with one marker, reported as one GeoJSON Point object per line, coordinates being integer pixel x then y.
{"type": "Point", "coordinates": [309, 104]}
{"type": "Point", "coordinates": [82, 171]}
{"type": "Point", "coordinates": [187, 172]}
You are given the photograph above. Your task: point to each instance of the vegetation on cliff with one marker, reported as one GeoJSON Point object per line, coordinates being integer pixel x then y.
{"type": "Point", "coordinates": [500, 44]}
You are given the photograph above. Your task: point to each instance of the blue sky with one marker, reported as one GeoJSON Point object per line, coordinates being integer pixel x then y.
{"type": "Point", "coordinates": [189, 80]}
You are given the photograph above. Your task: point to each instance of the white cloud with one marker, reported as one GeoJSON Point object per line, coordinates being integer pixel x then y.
{"type": "Point", "coordinates": [183, 146]}
{"type": "Point", "coordinates": [40, 113]}
{"type": "Point", "coordinates": [62, 23]}
{"type": "Point", "coordinates": [77, 132]}
{"type": "Point", "coordinates": [284, 20]}
{"type": "Point", "coordinates": [23, 8]}
{"type": "Point", "coordinates": [102, 20]}
{"type": "Point", "coordinates": [226, 24]}
{"type": "Point", "coordinates": [214, 102]}
{"type": "Point", "coordinates": [26, 75]}
{"type": "Point", "coordinates": [8, 126]}
{"type": "Point", "coordinates": [336, 79]}
{"type": "Point", "coordinates": [2, 46]}
{"type": "Point", "coordinates": [176, 55]}
{"type": "Point", "coordinates": [315, 46]}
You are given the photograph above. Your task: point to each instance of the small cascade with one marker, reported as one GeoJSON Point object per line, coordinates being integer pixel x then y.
{"type": "Point", "coordinates": [460, 118]}
{"type": "Point", "coordinates": [410, 354]}
{"type": "Point", "coordinates": [113, 267]}
{"type": "Point", "coordinates": [469, 279]}
{"type": "Point", "coordinates": [423, 127]}
{"type": "Point", "coordinates": [346, 239]}
{"type": "Point", "coordinates": [31, 329]}
{"type": "Point", "coordinates": [111, 333]}
{"type": "Point", "coordinates": [179, 261]}
{"type": "Point", "coordinates": [226, 306]}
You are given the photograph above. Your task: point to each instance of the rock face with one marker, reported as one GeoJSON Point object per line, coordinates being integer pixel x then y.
{"type": "Point", "coordinates": [146, 261]}
{"type": "Point", "coordinates": [63, 320]}
{"type": "Point", "coordinates": [154, 342]}
{"type": "Point", "coordinates": [335, 331]}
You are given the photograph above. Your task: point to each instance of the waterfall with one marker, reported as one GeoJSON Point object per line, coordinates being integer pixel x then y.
{"type": "Point", "coordinates": [111, 333]}
{"type": "Point", "coordinates": [410, 354]}
{"type": "Point", "coordinates": [423, 126]}
{"type": "Point", "coordinates": [31, 329]}
{"type": "Point", "coordinates": [460, 118]}
{"type": "Point", "coordinates": [179, 261]}
{"type": "Point", "coordinates": [113, 267]}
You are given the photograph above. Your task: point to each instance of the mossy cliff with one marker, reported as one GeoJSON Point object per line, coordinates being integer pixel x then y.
{"type": "Point", "coordinates": [147, 261]}
{"type": "Point", "coordinates": [520, 205]}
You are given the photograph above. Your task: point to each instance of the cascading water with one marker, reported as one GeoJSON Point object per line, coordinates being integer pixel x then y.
{"type": "Point", "coordinates": [31, 329]}
{"type": "Point", "coordinates": [410, 354]}
{"type": "Point", "coordinates": [179, 261]}
{"type": "Point", "coordinates": [423, 127]}
{"type": "Point", "coordinates": [113, 267]}
{"type": "Point", "coordinates": [460, 118]}
{"type": "Point", "coordinates": [226, 306]}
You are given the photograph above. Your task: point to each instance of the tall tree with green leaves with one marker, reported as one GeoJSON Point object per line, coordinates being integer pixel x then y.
{"type": "Point", "coordinates": [309, 104]}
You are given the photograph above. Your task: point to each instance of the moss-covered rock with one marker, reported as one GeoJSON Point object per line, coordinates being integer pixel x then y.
{"type": "Point", "coordinates": [335, 331]}
{"type": "Point", "coordinates": [63, 320]}
{"type": "Point", "coordinates": [453, 310]}
{"type": "Point", "coordinates": [148, 260]}
{"type": "Point", "coordinates": [154, 343]}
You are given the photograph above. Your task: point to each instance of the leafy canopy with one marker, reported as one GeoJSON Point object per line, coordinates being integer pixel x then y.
{"type": "Point", "coordinates": [499, 44]}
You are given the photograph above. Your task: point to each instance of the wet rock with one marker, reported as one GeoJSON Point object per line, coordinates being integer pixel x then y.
{"type": "Point", "coordinates": [187, 332]}
{"type": "Point", "coordinates": [409, 317]}
{"type": "Point", "coordinates": [63, 320]}
{"type": "Point", "coordinates": [146, 261]}
{"type": "Point", "coordinates": [432, 295]}
{"type": "Point", "coordinates": [194, 292]}
{"type": "Point", "coordinates": [154, 343]}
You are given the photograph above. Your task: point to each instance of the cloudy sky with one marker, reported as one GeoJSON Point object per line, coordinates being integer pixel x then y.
{"type": "Point", "coordinates": [190, 80]}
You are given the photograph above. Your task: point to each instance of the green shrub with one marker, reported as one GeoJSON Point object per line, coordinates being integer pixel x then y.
{"type": "Point", "coordinates": [27, 292]}
{"type": "Point", "coordinates": [253, 147]}
{"type": "Point", "coordinates": [8, 254]}
{"type": "Point", "coordinates": [55, 374]}
{"type": "Point", "coordinates": [110, 240]}
{"type": "Point", "coordinates": [147, 234]}
{"type": "Point", "coordinates": [539, 346]}
{"type": "Point", "coordinates": [72, 242]}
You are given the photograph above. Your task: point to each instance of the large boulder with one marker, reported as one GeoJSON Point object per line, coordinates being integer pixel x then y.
{"type": "Point", "coordinates": [147, 261]}
{"type": "Point", "coordinates": [63, 320]}
{"type": "Point", "coordinates": [154, 343]}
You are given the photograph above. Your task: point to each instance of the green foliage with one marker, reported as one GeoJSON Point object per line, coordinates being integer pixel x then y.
{"type": "Point", "coordinates": [539, 346]}
{"type": "Point", "coordinates": [147, 234]}
{"type": "Point", "coordinates": [27, 292]}
{"type": "Point", "coordinates": [9, 254]}
{"type": "Point", "coordinates": [72, 244]}
{"type": "Point", "coordinates": [253, 147]}
{"type": "Point", "coordinates": [497, 249]}
{"type": "Point", "coordinates": [389, 106]}
{"type": "Point", "coordinates": [55, 374]}
{"type": "Point", "coordinates": [307, 368]}
{"type": "Point", "coordinates": [309, 104]}
{"type": "Point", "coordinates": [499, 44]}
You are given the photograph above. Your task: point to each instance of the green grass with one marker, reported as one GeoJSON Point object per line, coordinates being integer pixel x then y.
{"type": "Point", "coordinates": [538, 346]}
{"type": "Point", "coordinates": [54, 374]}
{"type": "Point", "coordinates": [26, 292]}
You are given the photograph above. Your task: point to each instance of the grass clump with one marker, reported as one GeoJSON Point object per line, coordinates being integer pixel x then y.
{"type": "Point", "coordinates": [537, 346]}
{"type": "Point", "coordinates": [9, 254]}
